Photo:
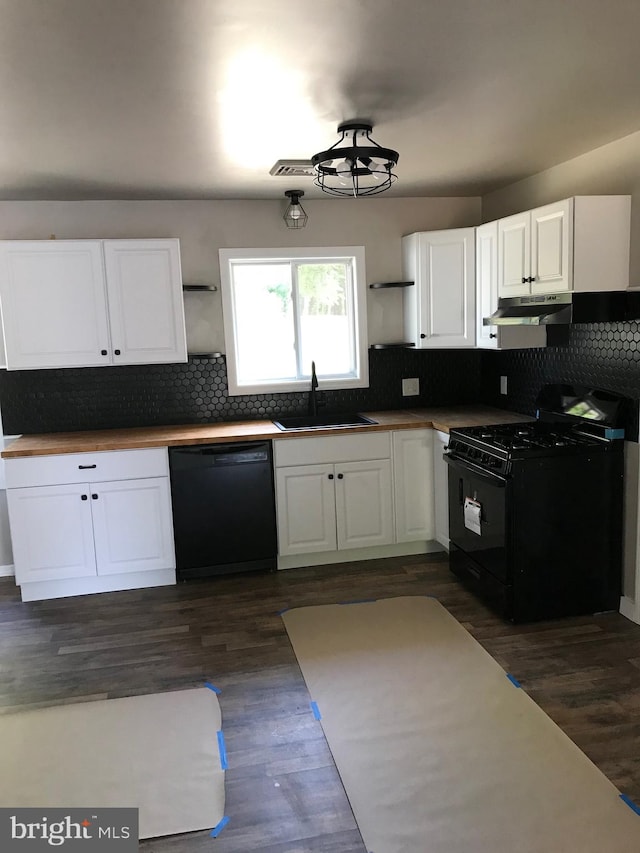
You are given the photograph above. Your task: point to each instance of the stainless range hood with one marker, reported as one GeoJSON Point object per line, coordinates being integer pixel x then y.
{"type": "Point", "coordinates": [566, 308]}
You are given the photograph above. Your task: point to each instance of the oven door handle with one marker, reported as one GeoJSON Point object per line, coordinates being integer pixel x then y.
{"type": "Point", "coordinates": [486, 476]}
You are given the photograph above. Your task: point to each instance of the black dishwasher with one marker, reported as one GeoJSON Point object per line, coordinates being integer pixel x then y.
{"type": "Point", "coordinates": [224, 516]}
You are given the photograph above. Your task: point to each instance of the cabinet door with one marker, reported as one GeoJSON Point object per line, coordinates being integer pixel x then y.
{"type": "Point", "coordinates": [146, 308]}
{"type": "Point", "coordinates": [364, 504]}
{"type": "Point", "coordinates": [551, 249]}
{"type": "Point", "coordinates": [413, 484]}
{"type": "Point", "coordinates": [51, 532]}
{"type": "Point", "coordinates": [441, 489]}
{"type": "Point", "coordinates": [486, 283]}
{"type": "Point", "coordinates": [132, 525]}
{"type": "Point", "coordinates": [305, 501]}
{"type": "Point", "coordinates": [54, 309]}
{"type": "Point", "coordinates": [514, 255]}
{"type": "Point", "coordinates": [447, 281]}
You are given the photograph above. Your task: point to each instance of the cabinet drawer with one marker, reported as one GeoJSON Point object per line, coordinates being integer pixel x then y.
{"type": "Point", "coordinates": [329, 448]}
{"type": "Point", "coordinates": [86, 467]}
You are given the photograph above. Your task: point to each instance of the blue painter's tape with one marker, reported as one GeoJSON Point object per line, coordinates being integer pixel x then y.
{"type": "Point", "coordinates": [359, 601]}
{"type": "Point", "coordinates": [613, 433]}
{"type": "Point", "coordinates": [513, 680]}
{"type": "Point", "coordinates": [212, 687]}
{"type": "Point", "coordinates": [215, 832]}
{"type": "Point", "coordinates": [316, 711]}
{"type": "Point", "coordinates": [223, 751]}
{"type": "Point", "coordinates": [633, 806]}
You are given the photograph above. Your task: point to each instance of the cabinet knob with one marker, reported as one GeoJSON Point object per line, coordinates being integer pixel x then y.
{"type": "Point", "coordinates": [94, 497]}
{"type": "Point", "coordinates": [531, 278]}
{"type": "Point", "coordinates": [423, 336]}
{"type": "Point", "coordinates": [103, 352]}
{"type": "Point", "coordinates": [492, 335]}
{"type": "Point", "coordinates": [330, 476]}
{"type": "Point", "coordinates": [340, 476]}
{"type": "Point", "coordinates": [83, 497]}
{"type": "Point", "coordinates": [524, 280]}
{"type": "Point", "coordinates": [116, 352]}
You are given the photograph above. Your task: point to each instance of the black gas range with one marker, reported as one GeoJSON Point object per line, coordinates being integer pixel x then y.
{"type": "Point", "coordinates": [535, 508]}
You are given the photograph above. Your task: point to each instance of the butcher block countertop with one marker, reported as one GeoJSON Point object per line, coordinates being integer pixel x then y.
{"type": "Point", "coordinates": [130, 439]}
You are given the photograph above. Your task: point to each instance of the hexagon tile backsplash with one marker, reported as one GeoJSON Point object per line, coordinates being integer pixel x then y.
{"type": "Point", "coordinates": [604, 355]}
{"type": "Point", "coordinates": [35, 401]}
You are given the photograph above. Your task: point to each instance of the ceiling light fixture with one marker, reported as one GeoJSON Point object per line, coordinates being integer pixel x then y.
{"type": "Point", "coordinates": [295, 215]}
{"type": "Point", "coordinates": [355, 165]}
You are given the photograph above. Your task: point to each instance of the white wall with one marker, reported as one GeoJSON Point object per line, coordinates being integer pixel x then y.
{"type": "Point", "coordinates": [206, 226]}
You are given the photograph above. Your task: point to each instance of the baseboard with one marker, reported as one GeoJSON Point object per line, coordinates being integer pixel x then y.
{"type": "Point", "coordinates": [630, 609]}
{"type": "Point", "coordinates": [41, 590]}
{"type": "Point", "coordinates": [7, 571]}
{"type": "Point", "coordinates": [323, 558]}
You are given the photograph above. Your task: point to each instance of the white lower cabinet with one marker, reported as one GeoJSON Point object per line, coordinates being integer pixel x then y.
{"type": "Point", "coordinates": [354, 492]}
{"type": "Point", "coordinates": [329, 507]}
{"type": "Point", "coordinates": [413, 484]}
{"type": "Point", "coordinates": [441, 488]}
{"type": "Point", "coordinates": [51, 532]}
{"type": "Point", "coordinates": [72, 538]}
{"type": "Point", "coordinates": [306, 509]}
{"type": "Point", "coordinates": [340, 498]}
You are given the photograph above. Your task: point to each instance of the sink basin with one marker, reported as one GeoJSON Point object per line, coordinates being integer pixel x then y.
{"type": "Point", "coordinates": [323, 421]}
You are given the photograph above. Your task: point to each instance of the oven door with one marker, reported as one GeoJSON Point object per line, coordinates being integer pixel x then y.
{"type": "Point", "coordinates": [478, 502]}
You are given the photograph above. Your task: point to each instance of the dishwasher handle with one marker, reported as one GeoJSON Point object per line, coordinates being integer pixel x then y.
{"type": "Point", "coordinates": [209, 455]}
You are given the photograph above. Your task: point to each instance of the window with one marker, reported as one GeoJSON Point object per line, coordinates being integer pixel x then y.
{"type": "Point", "coordinates": [284, 308]}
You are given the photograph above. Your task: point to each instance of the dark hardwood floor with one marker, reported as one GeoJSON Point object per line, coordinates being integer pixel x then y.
{"type": "Point", "coordinates": [283, 792]}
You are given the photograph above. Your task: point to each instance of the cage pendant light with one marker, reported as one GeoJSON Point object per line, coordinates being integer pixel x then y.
{"type": "Point", "coordinates": [295, 215]}
{"type": "Point", "coordinates": [356, 165]}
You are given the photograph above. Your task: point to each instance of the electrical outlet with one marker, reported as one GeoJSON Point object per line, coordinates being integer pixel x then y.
{"type": "Point", "coordinates": [503, 385]}
{"type": "Point", "coordinates": [410, 387]}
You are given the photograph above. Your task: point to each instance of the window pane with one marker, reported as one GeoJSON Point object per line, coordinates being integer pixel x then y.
{"type": "Point", "coordinates": [326, 318]}
{"type": "Point", "coordinates": [264, 321]}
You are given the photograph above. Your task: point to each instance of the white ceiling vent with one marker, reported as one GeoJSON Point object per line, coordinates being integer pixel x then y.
{"type": "Point", "coordinates": [292, 169]}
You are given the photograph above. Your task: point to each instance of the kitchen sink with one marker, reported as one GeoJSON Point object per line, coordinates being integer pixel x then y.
{"type": "Point", "coordinates": [323, 421]}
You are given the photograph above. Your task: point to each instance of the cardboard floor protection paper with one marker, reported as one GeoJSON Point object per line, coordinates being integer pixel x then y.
{"type": "Point", "coordinates": [157, 752]}
{"type": "Point", "coordinates": [438, 750]}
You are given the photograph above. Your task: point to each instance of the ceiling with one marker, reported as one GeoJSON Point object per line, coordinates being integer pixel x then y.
{"type": "Point", "coordinates": [144, 99]}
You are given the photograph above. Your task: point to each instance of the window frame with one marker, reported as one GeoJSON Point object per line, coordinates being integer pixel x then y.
{"type": "Point", "coordinates": [353, 254]}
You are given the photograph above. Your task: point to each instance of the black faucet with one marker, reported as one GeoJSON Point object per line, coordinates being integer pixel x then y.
{"type": "Point", "coordinates": [313, 400]}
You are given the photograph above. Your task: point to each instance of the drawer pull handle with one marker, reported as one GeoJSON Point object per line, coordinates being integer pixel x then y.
{"type": "Point", "coordinates": [82, 467]}
{"type": "Point", "coordinates": [83, 497]}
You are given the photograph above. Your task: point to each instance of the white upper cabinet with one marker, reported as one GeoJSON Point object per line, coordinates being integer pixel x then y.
{"type": "Point", "coordinates": [439, 311]}
{"type": "Point", "coordinates": [54, 304]}
{"type": "Point", "coordinates": [87, 303]}
{"type": "Point", "coordinates": [497, 337]}
{"type": "Point", "coordinates": [146, 309]}
{"type": "Point", "coordinates": [579, 244]}
{"type": "Point", "coordinates": [551, 238]}
{"type": "Point", "coordinates": [514, 257]}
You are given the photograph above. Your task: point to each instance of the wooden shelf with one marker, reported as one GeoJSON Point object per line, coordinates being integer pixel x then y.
{"type": "Point", "coordinates": [395, 345]}
{"type": "Point", "coordinates": [382, 284]}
